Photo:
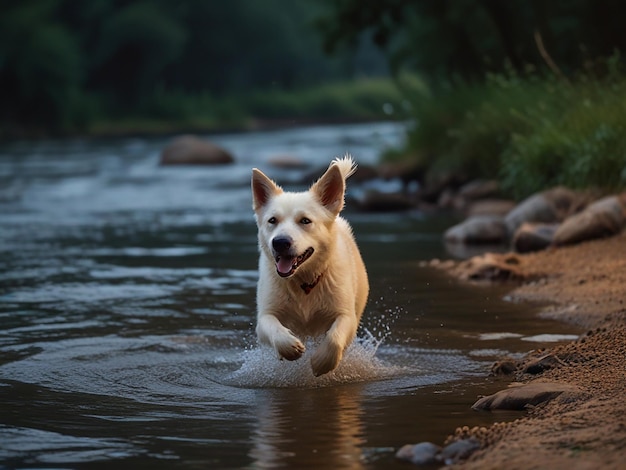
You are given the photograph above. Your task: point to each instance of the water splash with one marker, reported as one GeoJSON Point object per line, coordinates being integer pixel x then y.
{"type": "Point", "coordinates": [261, 368]}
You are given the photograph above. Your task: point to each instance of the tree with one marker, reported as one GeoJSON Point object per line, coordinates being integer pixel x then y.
{"type": "Point", "coordinates": [137, 41]}
{"type": "Point", "coordinates": [62, 60]}
{"type": "Point", "coordinates": [467, 37]}
{"type": "Point", "coordinates": [40, 65]}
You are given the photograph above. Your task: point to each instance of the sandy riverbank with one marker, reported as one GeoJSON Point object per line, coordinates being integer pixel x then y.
{"type": "Point", "coordinates": [585, 284]}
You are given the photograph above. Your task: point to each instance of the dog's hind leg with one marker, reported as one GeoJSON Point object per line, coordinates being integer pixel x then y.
{"type": "Point", "coordinates": [270, 331]}
{"type": "Point", "coordinates": [330, 351]}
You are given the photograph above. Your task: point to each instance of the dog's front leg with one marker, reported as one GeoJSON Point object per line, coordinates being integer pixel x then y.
{"type": "Point", "coordinates": [271, 331]}
{"type": "Point", "coordinates": [330, 351]}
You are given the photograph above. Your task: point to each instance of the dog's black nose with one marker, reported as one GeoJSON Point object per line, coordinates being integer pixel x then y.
{"type": "Point", "coordinates": [281, 244]}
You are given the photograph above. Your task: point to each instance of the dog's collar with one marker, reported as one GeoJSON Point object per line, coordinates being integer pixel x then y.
{"type": "Point", "coordinates": [307, 288]}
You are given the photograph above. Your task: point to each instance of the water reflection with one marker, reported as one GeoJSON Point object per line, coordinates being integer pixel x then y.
{"type": "Point", "coordinates": [309, 428]}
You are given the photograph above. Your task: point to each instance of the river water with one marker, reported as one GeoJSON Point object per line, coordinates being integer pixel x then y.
{"type": "Point", "coordinates": [127, 317]}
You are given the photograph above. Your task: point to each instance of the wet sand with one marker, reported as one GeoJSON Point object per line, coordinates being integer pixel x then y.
{"type": "Point", "coordinates": [584, 284]}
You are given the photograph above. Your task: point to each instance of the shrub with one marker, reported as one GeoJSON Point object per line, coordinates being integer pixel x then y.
{"type": "Point", "coordinates": [579, 142]}
{"type": "Point", "coordinates": [532, 131]}
{"type": "Point", "coordinates": [358, 99]}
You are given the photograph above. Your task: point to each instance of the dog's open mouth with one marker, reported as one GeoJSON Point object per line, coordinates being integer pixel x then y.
{"type": "Point", "coordinates": [286, 265]}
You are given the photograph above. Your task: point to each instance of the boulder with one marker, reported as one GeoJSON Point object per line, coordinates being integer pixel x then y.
{"type": "Point", "coordinates": [460, 199]}
{"type": "Point", "coordinates": [518, 397]}
{"type": "Point", "coordinates": [499, 207]}
{"type": "Point", "coordinates": [602, 218]}
{"type": "Point", "coordinates": [191, 150]}
{"type": "Point", "coordinates": [481, 229]}
{"type": "Point", "coordinates": [533, 236]}
{"type": "Point", "coordinates": [479, 189]}
{"type": "Point", "coordinates": [548, 206]}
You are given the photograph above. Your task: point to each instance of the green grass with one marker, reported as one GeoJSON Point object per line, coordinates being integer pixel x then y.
{"type": "Point", "coordinates": [531, 131]}
{"type": "Point", "coordinates": [581, 143]}
{"type": "Point", "coordinates": [166, 111]}
{"type": "Point", "coordinates": [358, 100]}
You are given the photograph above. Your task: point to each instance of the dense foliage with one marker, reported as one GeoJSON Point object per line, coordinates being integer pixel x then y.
{"type": "Point", "coordinates": [529, 130]}
{"type": "Point", "coordinates": [530, 92]}
{"type": "Point", "coordinates": [466, 38]}
{"type": "Point", "coordinates": [67, 63]}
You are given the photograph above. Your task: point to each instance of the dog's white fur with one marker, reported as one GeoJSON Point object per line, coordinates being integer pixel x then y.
{"type": "Point", "coordinates": [324, 294]}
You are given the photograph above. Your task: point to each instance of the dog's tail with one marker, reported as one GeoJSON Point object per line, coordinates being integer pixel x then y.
{"type": "Point", "coordinates": [347, 166]}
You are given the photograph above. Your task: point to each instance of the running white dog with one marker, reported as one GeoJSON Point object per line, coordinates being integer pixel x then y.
{"type": "Point", "coordinates": [312, 280]}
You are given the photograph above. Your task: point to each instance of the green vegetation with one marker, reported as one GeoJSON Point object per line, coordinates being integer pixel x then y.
{"type": "Point", "coordinates": [530, 93]}
{"type": "Point", "coordinates": [363, 99]}
{"type": "Point", "coordinates": [516, 90]}
{"type": "Point", "coordinates": [80, 66]}
{"type": "Point", "coordinates": [531, 131]}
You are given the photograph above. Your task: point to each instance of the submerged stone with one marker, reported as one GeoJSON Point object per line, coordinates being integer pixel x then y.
{"type": "Point", "coordinates": [192, 150]}
{"type": "Point", "coordinates": [424, 453]}
{"type": "Point", "coordinates": [459, 450]}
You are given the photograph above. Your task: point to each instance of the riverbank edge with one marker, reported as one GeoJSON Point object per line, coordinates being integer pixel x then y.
{"type": "Point", "coordinates": [164, 128]}
{"type": "Point", "coordinates": [583, 284]}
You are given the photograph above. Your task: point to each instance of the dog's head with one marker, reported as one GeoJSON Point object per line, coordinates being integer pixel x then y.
{"type": "Point", "coordinates": [295, 229]}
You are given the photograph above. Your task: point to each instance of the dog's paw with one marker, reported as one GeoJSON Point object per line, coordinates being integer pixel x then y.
{"type": "Point", "coordinates": [326, 358]}
{"type": "Point", "coordinates": [290, 348]}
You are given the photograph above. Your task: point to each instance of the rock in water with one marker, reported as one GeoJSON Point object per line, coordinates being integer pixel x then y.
{"type": "Point", "coordinates": [191, 150]}
{"type": "Point", "coordinates": [478, 229]}
{"type": "Point", "coordinates": [424, 453]}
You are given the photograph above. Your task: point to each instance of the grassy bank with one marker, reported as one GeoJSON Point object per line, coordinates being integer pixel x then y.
{"type": "Point", "coordinates": [171, 111]}
{"type": "Point", "coordinates": [530, 131]}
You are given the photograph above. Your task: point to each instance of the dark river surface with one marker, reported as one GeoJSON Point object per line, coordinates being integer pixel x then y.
{"type": "Point", "coordinates": [127, 306]}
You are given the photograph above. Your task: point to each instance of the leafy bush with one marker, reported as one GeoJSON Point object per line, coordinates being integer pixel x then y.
{"type": "Point", "coordinates": [580, 141]}
{"type": "Point", "coordinates": [170, 111]}
{"type": "Point", "coordinates": [532, 131]}
{"type": "Point", "coordinates": [359, 99]}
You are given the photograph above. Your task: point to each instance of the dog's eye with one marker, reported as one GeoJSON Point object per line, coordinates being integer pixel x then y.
{"type": "Point", "coordinates": [271, 220]}
{"type": "Point", "coordinates": [305, 221]}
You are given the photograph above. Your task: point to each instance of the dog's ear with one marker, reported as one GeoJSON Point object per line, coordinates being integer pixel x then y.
{"type": "Point", "coordinates": [263, 189]}
{"type": "Point", "coordinates": [330, 188]}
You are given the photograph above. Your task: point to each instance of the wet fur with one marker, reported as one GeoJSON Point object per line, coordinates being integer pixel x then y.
{"type": "Point", "coordinates": [332, 308]}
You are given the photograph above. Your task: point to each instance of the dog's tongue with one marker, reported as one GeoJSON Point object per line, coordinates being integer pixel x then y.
{"type": "Point", "coordinates": [284, 265]}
